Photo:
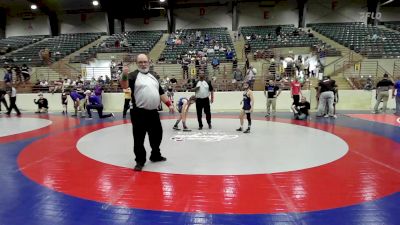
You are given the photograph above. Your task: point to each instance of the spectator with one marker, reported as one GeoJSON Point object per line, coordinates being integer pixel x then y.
{"type": "Point", "coordinates": [215, 64]}
{"type": "Point", "coordinates": [173, 80]}
{"type": "Point", "coordinates": [295, 90]}
{"type": "Point", "coordinates": [64, 102]}
{"type": "Point", "coordinates": [247, 49]}
{"type": "Point", "coordinates": [326, 97]}
{"type": "Point", "coordinates": [271, 92]}
{"type": "Point", "coordinates": [382, 93]}
{"type": "Point", "coordinates": [229, 55]}
{"type": "Point", "coordinates": [396, 89]}
{"type": "Point", "coordinates": [25, 72]}
{"type": "Point", "coordinates": [234, 63]}
{"type": "Point", "coordinates": [251, 76]}
{"type": "Point", "coordinates": [368, 85]}
{"type": "Point", "coordinates": [237, 75]}
{"type": "Point", "coordinates": [301, 111]}
{"type": "Point", "coordinates": [127, 95]}
{"type": "Point", "coordinates": [8, 75]}
{"type": "Point", "coordinates": [43, 105]}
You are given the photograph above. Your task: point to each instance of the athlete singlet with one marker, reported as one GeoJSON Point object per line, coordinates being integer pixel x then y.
{"type": "Point", "coordinates": [246, 101]}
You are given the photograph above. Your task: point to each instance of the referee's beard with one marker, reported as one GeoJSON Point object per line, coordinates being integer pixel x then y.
{"type": "Point", "coordinates": [145, 70]}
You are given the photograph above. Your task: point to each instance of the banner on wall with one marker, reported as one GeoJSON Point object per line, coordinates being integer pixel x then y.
{"type": "Point", "coordinates": [83, 17]}
{"type": "Point", "coordinates": [202, 11]}
{"type": "Point", "coordinates": [334, 4]}
{"type": "Point", "coordinates": [266, 15]}
{"type": "Point", "coordinates": [357, 67]}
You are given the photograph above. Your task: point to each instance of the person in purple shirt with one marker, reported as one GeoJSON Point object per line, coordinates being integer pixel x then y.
{"type": "Point", "coordinates": [94, 102]}
{"type": "Point", "coordinates": [396, 89]}
{"type": "Point", "coordinates": [79, 101]}
{"type": "Point", "coordinates": [98, 91]}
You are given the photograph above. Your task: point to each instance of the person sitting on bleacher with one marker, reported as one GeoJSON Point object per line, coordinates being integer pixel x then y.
{"type": "Point", "coordinates": [25, 72]}
{"type": "Point", "coordinates": [229, 54]}
{"type": "Point", "coordinates": [43, 105]}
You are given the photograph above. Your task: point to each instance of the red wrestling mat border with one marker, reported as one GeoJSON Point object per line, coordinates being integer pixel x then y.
{"type": "Point", "coordinates": [369, 171]}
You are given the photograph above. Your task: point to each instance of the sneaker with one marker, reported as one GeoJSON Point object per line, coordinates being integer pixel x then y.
{"type": "Point", "coordinates": [334, 116]}
{"type": "Point", "coordinates": [112, 115]}
{"type": "Point", "coordinates": [239, 129]}
{"type": "Point", "coordinates": [160, 159]}
{"type": "Point", "coordinates": [267, 115]}
{"type": "Point", "coordinates": [186, 129]}
{"type": "Point", "coordinates": [326, 116]}
{"type": "Point", "coordinates": [74, 115]}
{"type": "Point", "coordinates": [138, 167]}
{"type": "Point", "coordinates": [176, 128]}
{"type": "Point", "coordinates": [209, 126]}
{"type": "Point", "coordinates": [247, 131]}
{"type": "Point", "coordinates": [200, 128]}
{"type": "Point", "coordinates": [89, 118]}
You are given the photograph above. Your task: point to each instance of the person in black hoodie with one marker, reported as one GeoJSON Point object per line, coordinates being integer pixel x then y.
{"type": "Point", "coordinates": [43, 104]}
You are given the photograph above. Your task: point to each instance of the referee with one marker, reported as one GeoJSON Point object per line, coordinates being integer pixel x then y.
{"type": "Point", "coordinates": [146, 96]}
{"type": "Point", "coordinates": [204, 90]}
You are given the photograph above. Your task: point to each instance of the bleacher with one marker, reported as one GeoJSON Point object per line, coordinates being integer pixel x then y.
{"type": "Point", "coordinates": [59, 46]}
{"type": "Point", "coordinates": [394, 25]}
{"type": "Point", "coordinates": [138, 42]}
{"type": "Point", "coordinates": [256, 36]}
{"type": "Point", "coordinates": [369, 41]}
{"type": "Point", "coordinates": [12, 43]}
{"type": "Point", "coordinates": [190, 48]}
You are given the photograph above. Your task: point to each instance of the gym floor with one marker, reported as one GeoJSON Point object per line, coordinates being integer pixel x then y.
{"type": "Point", "coordinates": [56, 169]}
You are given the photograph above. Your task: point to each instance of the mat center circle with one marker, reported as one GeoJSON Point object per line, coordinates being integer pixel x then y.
{"type": "Point", "coordinates": [271, 147]}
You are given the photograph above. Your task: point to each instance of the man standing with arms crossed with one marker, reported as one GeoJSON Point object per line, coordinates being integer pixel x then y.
{"type": "Point", "coordinates": [203, 90]}
{"type": "Point", "coordinates": [146, 96]}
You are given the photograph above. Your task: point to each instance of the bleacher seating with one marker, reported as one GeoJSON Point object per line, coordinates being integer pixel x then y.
{"type": "Point", "coordinates": [256, 36]}
{"type": "Point", "coordinates": [138, 42]}
{"type": "Point", "coordinates": [12, 43]}
{"type": "Point", "coordinates": [394, 25]}
{"type": "Point", "coordinates": [192, 46]}
{"type": "Point", "coordinates": [59, 46]}
{"type": "Point", "coordinates": [369, 41]}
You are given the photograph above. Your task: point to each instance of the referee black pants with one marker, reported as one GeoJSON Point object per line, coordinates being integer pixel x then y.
{"type": "Point", "coordinates": [13, 105]}
{"type": "Point", "coordinates": [146, 121]}
{"type": "Point", "coordinates": [203, 103]}
{"type": "Point", "coordinates": [4, 102]}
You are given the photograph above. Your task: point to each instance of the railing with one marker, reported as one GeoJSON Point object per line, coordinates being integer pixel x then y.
{"type": "Point", "coordinates": [396, 70]}
{"type": "Point", "coordinates": [94, 72]}
{"type": "Point", "coordinates": [359, 73]}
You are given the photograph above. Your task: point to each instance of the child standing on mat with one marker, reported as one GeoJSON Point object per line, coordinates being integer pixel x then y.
{"type": "Point", "coordinates": [43, 104]}
{"type": "Point", "coordinates": [64, 102]}
{"type": "Point", "coordinates": [248, 103]}
{"type": "Point", "coordinates": [183, 108]}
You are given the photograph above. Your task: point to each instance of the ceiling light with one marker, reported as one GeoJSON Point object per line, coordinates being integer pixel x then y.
{"type": "Point", "coordinates": [162, 0]}
{"type": "Point", "coordinates": [95, 3]}
{"type": "Point", "coordinates": [33, 6]}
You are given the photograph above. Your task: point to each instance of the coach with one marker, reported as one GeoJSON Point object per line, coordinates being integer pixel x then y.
{"type": "Point", "coordinates": [146, 96]}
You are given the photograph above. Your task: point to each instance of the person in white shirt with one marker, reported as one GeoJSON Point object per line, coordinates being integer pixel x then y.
{"type": "Point", "coordinates": [251, 76]}
{"type": "Point", "coordinates": [12, 93]}
{"type": "Point", "coordinates": [146, 96]}
{"type": "Point", "coordinates": [203, 90]}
